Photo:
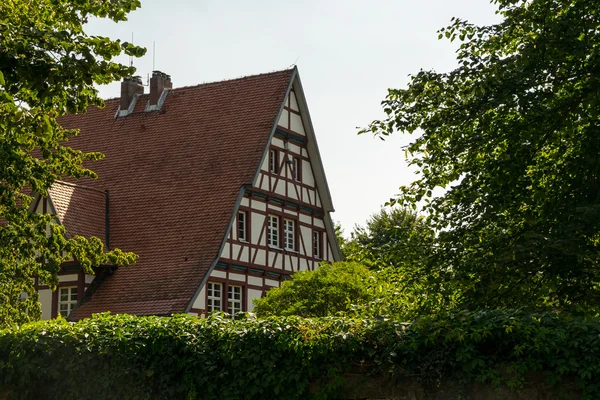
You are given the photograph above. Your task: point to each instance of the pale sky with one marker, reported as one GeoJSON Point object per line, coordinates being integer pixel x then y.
{"type": "Point", "coordinates": [347, 52]}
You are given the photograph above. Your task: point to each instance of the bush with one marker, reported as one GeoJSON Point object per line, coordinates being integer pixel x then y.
{"type": "Point", "coordinates": [331, 289]}
{"type": "Point", "coordinates": [117, 357]}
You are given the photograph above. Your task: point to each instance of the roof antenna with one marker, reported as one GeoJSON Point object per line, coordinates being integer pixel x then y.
{"type": "Point", "coordinates": [153, 55]}
{"type": "Point", "coordinates": [295, 62]}
{"type": "Point", "coordinates": [131, 57]}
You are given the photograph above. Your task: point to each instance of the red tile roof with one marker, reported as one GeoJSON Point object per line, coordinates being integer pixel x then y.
{"type": "Point", "coordinates": [173, 177]}
{"type": "Point", "coordinates": [81, 209]}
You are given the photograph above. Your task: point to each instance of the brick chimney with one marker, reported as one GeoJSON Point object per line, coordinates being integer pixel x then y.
{"type": "Point", "coordinates": [129, 88]}
{"type": "Point", "coordinates": [158, 83]}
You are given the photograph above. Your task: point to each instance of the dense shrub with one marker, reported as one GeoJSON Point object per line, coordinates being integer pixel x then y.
{"type": "Point", "coordinates": [126, 357]}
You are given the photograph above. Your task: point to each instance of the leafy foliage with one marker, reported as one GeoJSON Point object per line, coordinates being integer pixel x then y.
{"type": "Point", "coordinates": [513, 134]}
{"type": "Point", "coordinates": [329, 290]}
{"type": "Point", "coordinates": [391, 238]}
{"type": "Point", "coordinates": [48, 67]}
{"type": "Point", "coordinates": [279, 358]}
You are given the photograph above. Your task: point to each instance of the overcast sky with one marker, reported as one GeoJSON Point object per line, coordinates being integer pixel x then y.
{"type": "Point", "coordinates": [348, 53]}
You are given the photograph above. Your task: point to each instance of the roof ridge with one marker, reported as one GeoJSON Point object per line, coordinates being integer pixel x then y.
{"type": "Point", "coordinates": [227, 80]}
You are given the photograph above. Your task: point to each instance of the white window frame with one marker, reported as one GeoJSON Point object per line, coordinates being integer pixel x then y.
{"type": "Point", "coordinates": [67, 300]}
{"type": "Point", "coordinates": [242, 226]}
{"type": "Point", "coordinates": [234, 303]}
{"type": "Point", "coordinates": [214, 296]}
{"type": "Point", "coordinates": [273, 230]}
{"type": "Point", "coordinates": [273, 161]}
{"type": "Point", "coordinates": [317, 245]}
{"type": "Point", "coordinates": [289, 234]}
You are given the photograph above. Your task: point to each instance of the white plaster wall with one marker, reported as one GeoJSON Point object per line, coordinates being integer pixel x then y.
{"type": "Point", "coordinates": [255, 280]}
{"type": "Point", "coordinates": [306, 233]}
{"type": "Point", "coordinates": [305, 218]}
{"type": "Point", "coordinates": [319, 223]}
{"type": "Point", "coordinates": [261, 256]}
{"type": "Point", "coordinates": [293, 102]}
{"type": "Point", "coordinates": [270, 282]}
{"type": "Point", "coordinates": [235, 249]}
{"type": "Point", "coordinates": [225, 251]}
{"type": "Point", "coordinates": [283, 120]}
{"type": "Point", "coordinates": [67, 278]}
{"type": "Point", "coordinates": [245, 201]}
{"type": "Point", "coordinates": [45, 300]}
{"type": "Point", "coordinates": [259, 205]}
{"type": "Point", "coordinates": [257, 221]}
{"type": "Point", "coordinates": [280, 187]}
{"type": "Point", "coordinates": [245, 257]}
{"type": "Point", "coordinates": [292, 191]}
{"type": "Point", "coordinates": [307, 175]}
{"type": "Point", "coordinates": [276, 208]}
{"type": "Point", "coordinates": [272, 258]}
{"type": "Point", "coordinates": [253, 294]}
{"type": "Point", "coordinates": [294, 148]}
{"type": "Point", "coordinates": [237, 277]}
{"type": "Point", "coordinates": [277, 142]}
{"type": "Point", "coordinates": [218, 274]}
{"type": "Point", "coordinates": [200, 302]}
{"type": "Point", "coordinates": [89, 278]}
{"type": "Point", "coordinates": [296, 124]}
{"type": "Point", "coordinates": [303, 265]}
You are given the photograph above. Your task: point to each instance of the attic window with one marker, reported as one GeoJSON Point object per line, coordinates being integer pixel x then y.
{"type": "Point", "coordinates": [273, 161]}
{"type": "Point", "coordinates": [242, 226]}
{"type": "Point", "coordinates": [297, 171]}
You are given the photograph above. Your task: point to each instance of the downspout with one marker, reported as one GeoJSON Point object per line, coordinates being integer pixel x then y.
{"type": "Point", "coordinates": [106, 222]}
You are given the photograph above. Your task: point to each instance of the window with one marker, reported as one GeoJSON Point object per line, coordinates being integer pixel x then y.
{"type": "Point", "coordinates": [67, 299]}
{"type": "Point", "coordinates": [273, 231]}
{"type": "Point", "coordinates": [242, 226]}
{"type": "Point", "coordinates": [289, 234]}
{"type": "Point", "coordinates": [214, 291]}
{"type": "Point", "coordinates": [234, 300]}
{"type": "Point", "coordinates": [317, 244]}
{"type": "Point", "coordinates": [297, 169]}
{"type": "Point", "coordinates": [273, 161]}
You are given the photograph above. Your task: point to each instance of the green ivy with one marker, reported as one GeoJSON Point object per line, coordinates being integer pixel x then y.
{"type": "Point", "coordinates": [182, 357]}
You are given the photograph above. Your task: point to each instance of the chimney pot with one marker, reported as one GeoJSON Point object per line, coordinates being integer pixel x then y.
{"type": "Point", "coordinates": [158, 83]}
{"type": "Point", "coordinates": [129, 88]}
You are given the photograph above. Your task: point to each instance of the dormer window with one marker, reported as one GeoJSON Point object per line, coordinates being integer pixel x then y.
{"type": "Point", "coordinates": [273, 161]}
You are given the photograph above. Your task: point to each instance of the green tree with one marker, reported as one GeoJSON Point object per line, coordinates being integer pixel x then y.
{"type": "Point", "coordinates": [329, 290]}
{"type": "Point", "coordinates": [513, 135]}
{"type": "Point", "coordinates": [48, 68]}
{"type": "Point", "coordinates": [391, 238]}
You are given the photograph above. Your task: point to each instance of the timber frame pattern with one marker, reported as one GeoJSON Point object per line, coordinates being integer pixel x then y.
{"type": "Point", "coordinates": [279, 224]}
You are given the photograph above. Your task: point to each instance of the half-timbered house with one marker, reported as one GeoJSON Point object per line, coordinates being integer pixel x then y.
{"type": "Point", "coordinates": [219, 188]}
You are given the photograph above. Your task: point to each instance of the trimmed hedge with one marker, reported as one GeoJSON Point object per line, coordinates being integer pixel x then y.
{"type": "Point", "coordinates": [127, 357]}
